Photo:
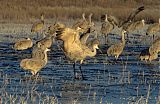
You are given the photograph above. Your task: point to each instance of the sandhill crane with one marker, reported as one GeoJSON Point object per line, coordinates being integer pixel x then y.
{"type": "Point", "coordinates": [106, 28]}
{"type": "Point", "coordinates": [146, 56]}
{"type": "Point", "coordinates": [135, 26]}
{"type": "Point", "coordinates": [132, 26]}
{"type": "Point", "coordinates": [91, 43]}
{"type": "Point", "coordinates": [73, 48]}
{"type": "Point", "coordinates": [154, 28]}
{"type": "Point", "coordinates": [120, 23]}
{"type": "Point", "coordinates": [84, 37]}
{"type": "Point", "coordinates": [34, 65]}
{"type": "Point", "coordinates": [117, 49]}
{"type": "Point", "coordinates": [38, 26]}
{"type": "Point", "coordinates": [80, 23]}
{"type": "Point", "coordinates": [83, 25]}
{"type": "Point", "coordinates": [139, 24]}
{"type": "Point", "coordinates": [45, 42]}
{"type": "Point", "coordinates": [23, 44]}
{"type": "Point", "coordinates": [91, 24]}
{"type": "Point", "coordinates": [151, 53]}
{"type": "Point", "coordinates": [53, 28]}
{"type": "Point", "coordinates": [155, 47]}
{"type": "Point", "coordinates": [38, 53]}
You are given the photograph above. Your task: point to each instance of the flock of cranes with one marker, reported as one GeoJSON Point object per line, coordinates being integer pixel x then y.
{"type": "Point", "coordinates": [76, 46]}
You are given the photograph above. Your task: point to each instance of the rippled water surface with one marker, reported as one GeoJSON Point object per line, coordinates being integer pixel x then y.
{"type": "Point", "coordinates": [126, 80]}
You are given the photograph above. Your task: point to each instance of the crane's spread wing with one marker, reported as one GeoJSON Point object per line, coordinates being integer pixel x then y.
{"type": "Point", "coordinates": [84, 37]}
{"type": "Point", "coordinates": [119, 23]}
{"type": "Point", "coordinates": [132, 15]}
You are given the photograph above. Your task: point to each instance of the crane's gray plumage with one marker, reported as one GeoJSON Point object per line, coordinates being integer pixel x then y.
{"type": "Point", "coordinates": [154, 28]}
{"type": "Point", "coordinates": [84, 24]}
{"type": "Point", "coordinates": [134, 25]}
{"type": "Point", "coordinates": [23, 44]}
{"type": "Point", "coordinates": [120, 23]}
{"type": "Point", "coordinates": [155, 47]}
{"type": "Point", "coordinates": [116, 49]}
{"type": "Point", "coordinates": [106, 28]}
{"type": "Point", "coordinates": [73, 48]}
{"type": "Point", "coordinates": [33, 64]}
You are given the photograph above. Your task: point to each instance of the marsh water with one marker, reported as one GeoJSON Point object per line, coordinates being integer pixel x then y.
{"type": "Point", "coordinates": [122, 81]}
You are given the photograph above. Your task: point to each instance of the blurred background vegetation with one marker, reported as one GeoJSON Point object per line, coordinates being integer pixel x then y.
{"type": "Point", "coordinates": [27, 11]}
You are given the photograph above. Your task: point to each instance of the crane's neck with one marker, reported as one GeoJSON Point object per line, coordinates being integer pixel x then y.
{"type": "Point", "coordinates": [106, 19]}
{"type": "Point", "coordinates": [42, 21]}
{"type": "Point", "coordinates": [51, 37]}
{"type": "Point", "coordinates": [45, 57]}
{"type": "Point", "coordinates": [42, 17]}
{"type": "Point", "coordinates": [83, 16]}
{"type": "Point", "coordinates": [143, 23]}
{"type": "Point", "coordinates": [159, 21]}
{"type": "Point", "coordinates": [123, 38]}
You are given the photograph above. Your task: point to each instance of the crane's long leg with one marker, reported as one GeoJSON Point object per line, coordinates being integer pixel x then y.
{"type": "Point", "coordinates": [37, 36]}
{"type": "Point", "coordinates": [74, 66]}
{"type": "Point", "coordinates": [81, 71]}
{"type": "Point", "coordinates": [106, 39]}
{"type": "Point", "coordinates": [153, 38]}
{"type": "Point", "coordinates": [127, 39]}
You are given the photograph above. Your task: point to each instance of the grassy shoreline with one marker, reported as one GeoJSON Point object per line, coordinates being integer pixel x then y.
{"type": "Point", "coordinates": [27, 11]}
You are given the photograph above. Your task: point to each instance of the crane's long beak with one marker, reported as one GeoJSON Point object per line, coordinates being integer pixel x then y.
{"type": "Point", "coordinates": [47, 49]}
{"type": "Point", "coordinates": [100, 50]}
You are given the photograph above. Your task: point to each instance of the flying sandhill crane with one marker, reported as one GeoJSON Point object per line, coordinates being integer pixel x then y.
{"type": "Point", "coordinates": [23, 44]}
{"type": "Point", "coordinates": [117, 49]}
{"type": "Point", "coordinates": [73, 48]}
{"type": "Point", "coordinates": [34, 65]}
{"type": "Point", "coordinates": [154, 28]}
{"type": "Point", "coordinates": [119, 22]}
{"type": "Point", "coordinates": [38, 26]}
{"type": "Point", "coordinates": [155, 47]}
{"type": "Point", "coordinates": [106, 28]}
{"type": "Point", "coordinates": [146, 56]}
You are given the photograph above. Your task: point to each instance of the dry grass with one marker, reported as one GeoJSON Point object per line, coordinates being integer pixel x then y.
{"type": "Point", "coordinates": [26, 11]}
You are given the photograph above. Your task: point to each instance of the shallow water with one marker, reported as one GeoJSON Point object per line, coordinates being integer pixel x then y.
{"type": "Point", "coordinates": [107, 80]}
